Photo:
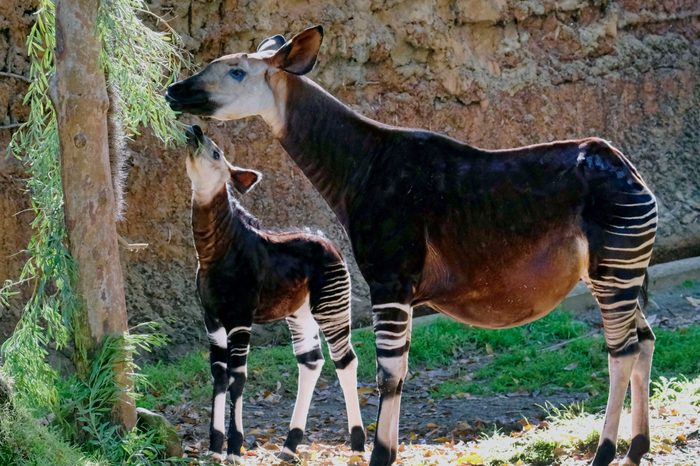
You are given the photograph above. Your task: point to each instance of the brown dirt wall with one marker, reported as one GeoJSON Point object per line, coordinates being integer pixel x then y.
{"type": "Point", "coordinates": [494, 73]}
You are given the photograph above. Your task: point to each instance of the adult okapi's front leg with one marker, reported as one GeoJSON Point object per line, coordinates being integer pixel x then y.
{"type": "Point", "coordinates": [218, 360]}
{"type": "Point", "coordinates": [238, 348]}
{"type": "Point", "coordinates": [392, 326]}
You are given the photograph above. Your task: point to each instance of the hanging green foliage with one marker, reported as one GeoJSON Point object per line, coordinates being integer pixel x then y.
{"type": "Point", "coordinates": [49, 269]}
{"type": "Point", "coordinates": [139, 62]}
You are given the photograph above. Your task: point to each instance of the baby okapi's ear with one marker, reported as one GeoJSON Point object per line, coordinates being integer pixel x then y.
{"type": "Point", "coordinates": [298, 56]}
{"type": "Point", "coordinates": [243, 179]}
{"type": "Point", "coordinates": [271, 43]}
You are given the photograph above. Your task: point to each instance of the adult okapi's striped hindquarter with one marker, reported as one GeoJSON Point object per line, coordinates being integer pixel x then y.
{"type": "Point", "coordinates": [493, 238]}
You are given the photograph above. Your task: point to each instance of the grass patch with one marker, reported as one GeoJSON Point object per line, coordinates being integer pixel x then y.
{"type": "Point", "coordinates": [518, 362]}
{"type": "Point", "coordinates": [25, 442]}
{"type": "Point", "coordinates": [433, 345]}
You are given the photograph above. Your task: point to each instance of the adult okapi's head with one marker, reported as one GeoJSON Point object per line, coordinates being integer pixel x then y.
{"type": "Point", "coordinates": [240, 85]}
{"type": "Point", "coordinates": [209, 170]}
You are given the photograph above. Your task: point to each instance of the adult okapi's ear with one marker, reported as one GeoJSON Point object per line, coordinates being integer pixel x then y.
{"type": "Point", "coordinates": [271, 43]}
{"type": "Point", "coordinates": [298, 56]}
{"type": "Point", "coordinates": [243, 179]}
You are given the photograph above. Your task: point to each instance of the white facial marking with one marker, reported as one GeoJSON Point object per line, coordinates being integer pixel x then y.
{"type": "Point", "coordinates": [207, 173]}
{"type": "Point", "coordinates": [249, 96]}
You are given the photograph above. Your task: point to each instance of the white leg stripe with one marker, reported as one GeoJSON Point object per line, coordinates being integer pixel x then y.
{"type": "Point", "coordinates": [403, 307]}
{"type": "Point", "coordinates": [239, 329]}
{"type": "Point", "coordinates": [219, 411]}
{"type": "Point", "coordinates": [218, 337]}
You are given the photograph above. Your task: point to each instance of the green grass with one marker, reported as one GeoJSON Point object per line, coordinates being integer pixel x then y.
{"type": "Point", "coordinates": [25, 442]}
{"type": "Point", "coordinates": [518, 361]}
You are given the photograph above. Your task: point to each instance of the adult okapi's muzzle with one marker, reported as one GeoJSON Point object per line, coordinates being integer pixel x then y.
{"type": "Point", "coordinates": [188, 96]}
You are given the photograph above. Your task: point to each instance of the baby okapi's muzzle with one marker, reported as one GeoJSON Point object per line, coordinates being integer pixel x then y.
{"type": "Point", "coordinates": [195, 136]}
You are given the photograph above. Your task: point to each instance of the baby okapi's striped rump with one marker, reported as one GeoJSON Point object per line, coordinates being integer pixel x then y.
{"type": "Point", "coordinates": [247, 274]}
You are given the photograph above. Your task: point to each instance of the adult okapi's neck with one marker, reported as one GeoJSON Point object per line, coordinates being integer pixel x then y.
{"type": "Point", "coordinates": [329, 142]}
{"type": "Point", "coordinates": [217, 226]}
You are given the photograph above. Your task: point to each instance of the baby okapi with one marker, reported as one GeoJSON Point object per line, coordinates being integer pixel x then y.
{"type": "Point", "coordinates": [492, 238]}
{"type": "Point", "coordinates": [249, 275]}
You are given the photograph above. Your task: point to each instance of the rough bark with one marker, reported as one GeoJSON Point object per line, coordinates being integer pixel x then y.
{"type": "Point", "coordinates": [80, 96]}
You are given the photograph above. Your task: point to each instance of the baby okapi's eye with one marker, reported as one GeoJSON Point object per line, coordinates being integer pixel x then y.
{"type": "Point", "coordinates": [237, 74]}
{"type": "Point", "coordinates": [216, 155]}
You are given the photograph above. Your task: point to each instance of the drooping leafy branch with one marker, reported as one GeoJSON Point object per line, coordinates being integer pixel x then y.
{"type": "Point", "coordinates": [139, 62]}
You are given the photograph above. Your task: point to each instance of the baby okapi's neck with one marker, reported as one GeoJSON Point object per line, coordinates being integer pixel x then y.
{"type": "Point", "coordinates": [217, 226]}
{"type": "Point", "coordinates": [329, 142]}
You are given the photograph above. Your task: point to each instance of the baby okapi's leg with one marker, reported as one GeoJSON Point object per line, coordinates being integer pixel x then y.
{"type": "Point", "coordinates": [218, 360]}
{"type": "Point", "coordinates": [238, 348]}
{"type": "Point", "coordinates": [392, 322]}
{"type": "Point", "coordinates": [332, 312]}
{"type": "Point", "coordinates": [307, 349]}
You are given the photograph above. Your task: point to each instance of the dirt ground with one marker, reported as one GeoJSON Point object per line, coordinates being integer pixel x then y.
{"type": "Point", "coordinates": [423, 420]}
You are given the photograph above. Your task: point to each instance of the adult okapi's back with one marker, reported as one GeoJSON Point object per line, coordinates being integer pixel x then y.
{"type": "Point", "coordinates": [492, 238]}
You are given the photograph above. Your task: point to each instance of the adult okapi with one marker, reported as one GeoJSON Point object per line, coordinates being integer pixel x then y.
{"type": "Point", "coordinates": [492, 238]}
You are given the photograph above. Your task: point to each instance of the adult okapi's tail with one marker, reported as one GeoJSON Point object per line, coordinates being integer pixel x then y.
{"type": "Point", "coordinates": [644, 290]}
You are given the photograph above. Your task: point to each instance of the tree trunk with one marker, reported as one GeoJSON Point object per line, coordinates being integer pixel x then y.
{"type": "Point", "coordinates": [80, 96]}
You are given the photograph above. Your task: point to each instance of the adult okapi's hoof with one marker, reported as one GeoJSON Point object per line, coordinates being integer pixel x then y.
{"type": "Point", "coordinates": [639, 446]}
{"type": "Point", "coordinates": [382, 456]}
{"type": "Point", "coordinates": [604, 454]}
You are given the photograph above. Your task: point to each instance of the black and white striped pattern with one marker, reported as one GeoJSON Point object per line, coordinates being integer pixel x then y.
{"type": "Point", "coordinates": [616, 281]}
{"type": "Point", "coordinates": [392, 329]}
{"type": "Point", "coordinates": [330, 314]}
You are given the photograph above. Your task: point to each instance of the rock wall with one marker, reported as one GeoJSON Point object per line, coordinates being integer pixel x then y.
{"type": "Point", "coordinates": [494, 73]}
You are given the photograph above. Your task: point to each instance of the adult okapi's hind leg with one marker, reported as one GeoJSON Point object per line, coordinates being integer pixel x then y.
{"type": "Point", "coordinates": [331, 309]}
{"type": "Point", "coordinates": [621, 223]}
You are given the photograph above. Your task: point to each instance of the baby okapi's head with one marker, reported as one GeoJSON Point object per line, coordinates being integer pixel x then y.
{"type": "Point", "coordinates": [209, 170]}
{"type": "Point", "coordinates": [241, 84]}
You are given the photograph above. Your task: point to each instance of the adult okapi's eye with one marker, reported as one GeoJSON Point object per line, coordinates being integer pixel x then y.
{"type": "Point", "coordinates": [216, 155]}
{"type": "Point", "coordinates": [237, 74]}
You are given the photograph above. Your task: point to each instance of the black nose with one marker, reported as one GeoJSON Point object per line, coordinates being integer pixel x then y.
{"type": "Point", "coordinates": [195, 136]}
{"type": "Point", "coordinates": [175, 91]}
